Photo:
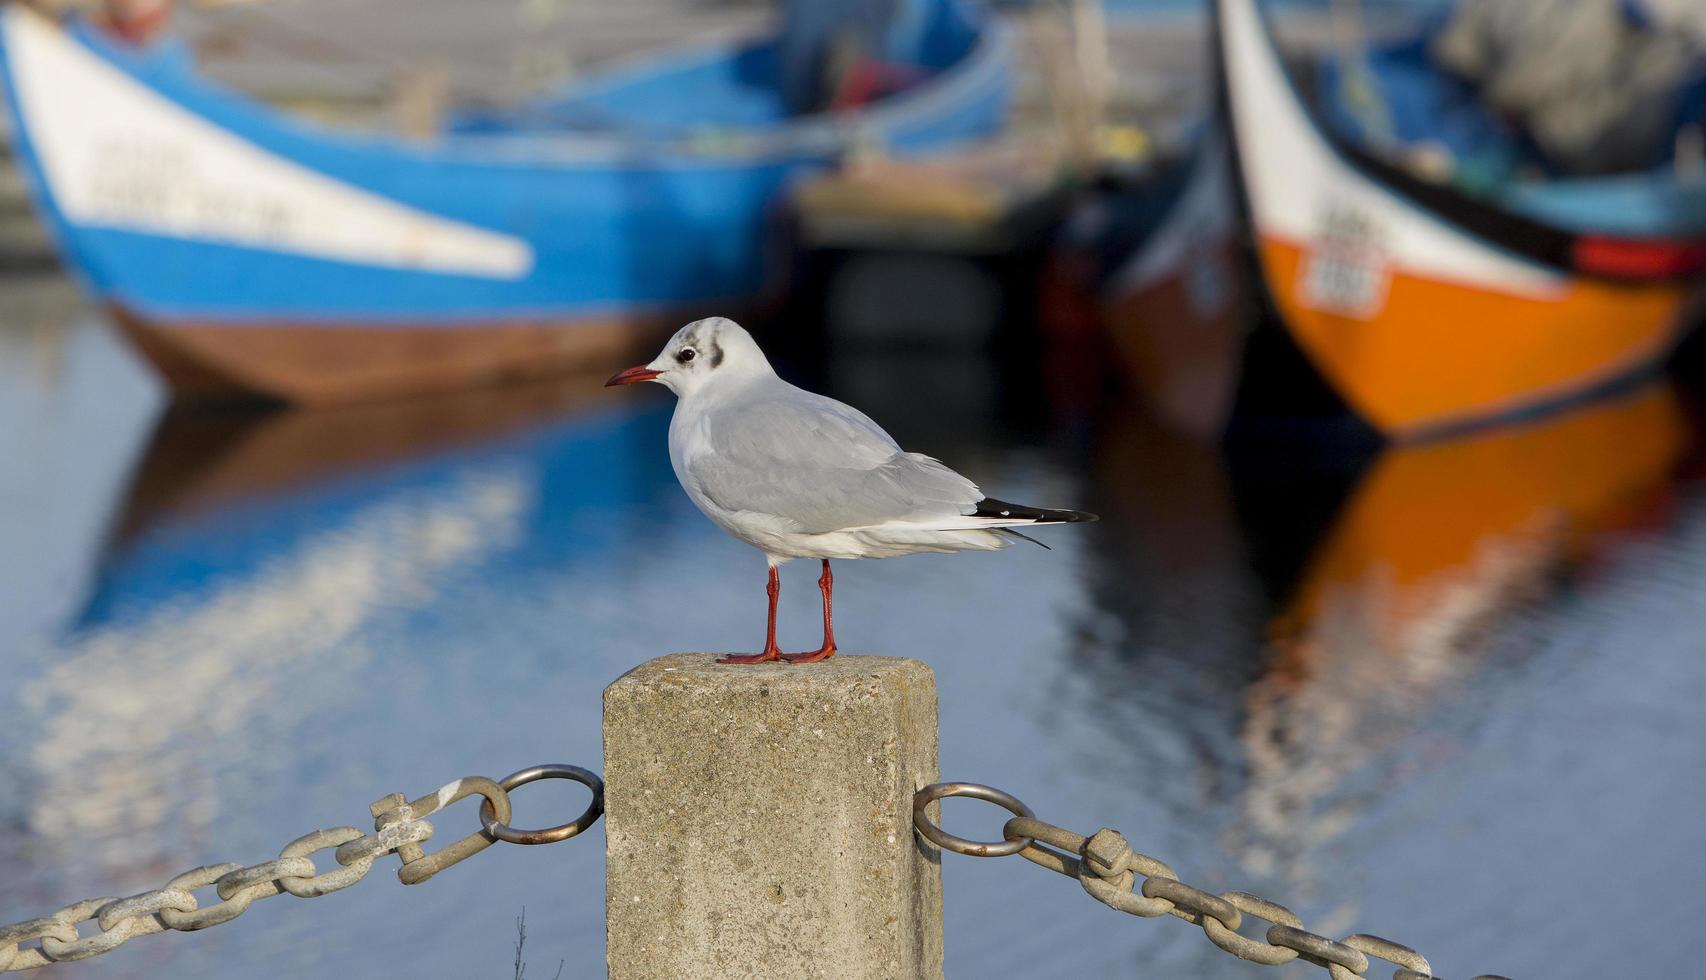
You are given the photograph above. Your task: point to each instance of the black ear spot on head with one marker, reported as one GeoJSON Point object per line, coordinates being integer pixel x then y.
{"type": "Point", "coordinates": [716, 353]}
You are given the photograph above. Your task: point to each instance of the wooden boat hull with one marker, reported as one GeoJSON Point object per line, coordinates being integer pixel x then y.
{"type": "Point", "coordinates": [371, 266]}
{"type": "Point", "coordinates": [325, 364]}
{"type": "Point", "coordinates": [1185, 361]}
{"type": "Point", "coordinates": [1177, 310]}
{"type": "Point", "coordinates": [1421, 320]}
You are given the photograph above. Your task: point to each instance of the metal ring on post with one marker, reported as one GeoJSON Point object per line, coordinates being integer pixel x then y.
{"type": "Point", "coordinates": [959, 845]}
{"type": "Point", "coordinates": [550, 835]}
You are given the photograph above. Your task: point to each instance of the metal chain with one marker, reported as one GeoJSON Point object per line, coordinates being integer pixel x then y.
{"type": "Point", "coordinates": [399, 827]}
{"type": "Point", "coordinates": [1121, 878]}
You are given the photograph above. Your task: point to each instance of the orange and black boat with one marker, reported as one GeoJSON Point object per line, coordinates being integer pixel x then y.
{"type": "Point", "coordinates": [1421, 303]}
{"type": "Point", "coordinates": [1423, 306]}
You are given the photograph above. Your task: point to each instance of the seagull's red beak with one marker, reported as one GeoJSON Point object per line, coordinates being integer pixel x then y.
{"type": "Point", "coordinates": [632, 375]}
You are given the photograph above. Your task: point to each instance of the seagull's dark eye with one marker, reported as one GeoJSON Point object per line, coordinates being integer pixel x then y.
{"type": "Point", "coordinates": [687, 354]}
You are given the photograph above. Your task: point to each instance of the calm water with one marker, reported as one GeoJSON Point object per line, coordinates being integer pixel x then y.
{"type": "Point", "coordinates": [1445, 697]}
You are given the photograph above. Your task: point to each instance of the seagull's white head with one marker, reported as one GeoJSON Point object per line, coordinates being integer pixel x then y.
{"type": "Point", "coordinates": [713, 350]}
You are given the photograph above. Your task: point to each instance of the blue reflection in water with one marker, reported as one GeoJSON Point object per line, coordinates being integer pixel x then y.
{"type": "Point", "coordinates": [275, 634]}
{"type": "Point", "coordinates": [560, 492]}
{"type": "Point", "coordinates": [1358, 689]}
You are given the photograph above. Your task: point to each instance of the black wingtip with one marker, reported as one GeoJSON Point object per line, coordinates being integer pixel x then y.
{"type": "Point", "coordinates": [992, 508]}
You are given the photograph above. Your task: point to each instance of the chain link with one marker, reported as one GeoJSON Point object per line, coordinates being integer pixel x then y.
{"type": "Point", "coordinates": [1123, 879]}
{"type": "Point", "coordinates": [399, 828]}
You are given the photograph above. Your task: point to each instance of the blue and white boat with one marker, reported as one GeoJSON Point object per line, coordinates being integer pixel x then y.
{"type": "Point", "coordinates": [250, 253]}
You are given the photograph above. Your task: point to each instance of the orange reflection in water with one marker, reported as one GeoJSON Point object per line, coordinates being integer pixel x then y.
{"type": "Point", "coordinates": [1438, 534]}
{"type": "Point", "coordinates": [1434, 553]}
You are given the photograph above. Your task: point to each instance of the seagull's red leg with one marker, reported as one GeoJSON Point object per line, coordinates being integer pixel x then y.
{"type": "Point", "coordinates": [826, 583]}
{"type": "Point", "coordinates": [771, 651]}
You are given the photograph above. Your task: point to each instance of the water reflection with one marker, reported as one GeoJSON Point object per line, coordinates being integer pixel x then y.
{"type": "Point", "coordinates": [1261, 666]}
{"type": "Point", "coordinates": [1439, 550]}
{"type": "Point", "coordinates": [255, 575]}
{"type": "Point", "coordinates": [215, 497]}
{"type": "Point", "coordinates": [1277, 650]}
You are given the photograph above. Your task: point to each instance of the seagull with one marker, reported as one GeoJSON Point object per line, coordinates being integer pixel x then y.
{"type": "Point", "coordinates": [796, 474]}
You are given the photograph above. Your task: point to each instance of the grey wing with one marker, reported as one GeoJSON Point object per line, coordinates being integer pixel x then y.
{"type": "Point", "coordinates": [823, 466]}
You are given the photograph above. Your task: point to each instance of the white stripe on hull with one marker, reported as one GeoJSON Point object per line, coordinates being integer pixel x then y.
{"type": "Point", "coordinates": [1355, 230]}
{"type": "Point", "coordinates": [115, 154]}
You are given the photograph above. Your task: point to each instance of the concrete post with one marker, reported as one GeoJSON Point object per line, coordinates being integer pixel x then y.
{"type": "Point", "coordinates": [758, 820]}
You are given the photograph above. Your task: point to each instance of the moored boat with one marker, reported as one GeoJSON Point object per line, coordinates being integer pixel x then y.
{"type": "Point", "coordinates": [1427, 308]}
{"type": "Point", "coordinates": [1169, 284]}
{"type": "Point", "coordinates": [249, 253]}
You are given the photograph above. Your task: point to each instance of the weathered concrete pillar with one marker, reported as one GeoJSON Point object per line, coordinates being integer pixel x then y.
{"type": "Point", "coordinates": [759, 820]}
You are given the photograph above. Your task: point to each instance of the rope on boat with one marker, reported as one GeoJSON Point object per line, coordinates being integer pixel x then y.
{"type": "Point", "coordinates": [400, 827]}
{"type": "Point", "coordinates": [1137, 884]}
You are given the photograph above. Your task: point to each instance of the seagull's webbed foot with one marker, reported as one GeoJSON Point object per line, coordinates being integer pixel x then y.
{"type": "Point", "coordinates": [826, 583]}
{"type": "Point", "coordinates": [753, 658]}
{"type": "Point", "coordinates": [771, 651]}
{"type": "Point", "coordinates": [813, 657]}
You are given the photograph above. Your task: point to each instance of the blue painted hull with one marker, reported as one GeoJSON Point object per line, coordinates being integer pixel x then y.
{"type": "Point", "coordinates": [521, 224]}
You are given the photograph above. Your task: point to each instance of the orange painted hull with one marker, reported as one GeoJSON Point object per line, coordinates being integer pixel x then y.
{"type": "Point", "coordinates": [1183, 353]}
{"type": "Point", "coordinates": [1438, 355]}
{"type": "Point", "coordinates": [325, 364]}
